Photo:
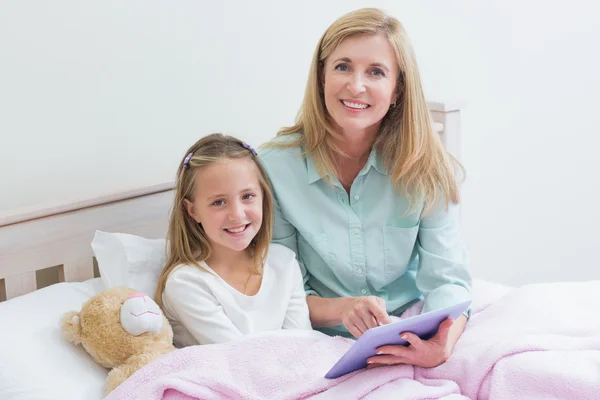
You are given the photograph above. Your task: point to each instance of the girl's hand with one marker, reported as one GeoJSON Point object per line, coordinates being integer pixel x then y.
{"type": "Point", "coordinates": [421, 353]}
{"type": "Point", "coordinates": [363, 313]}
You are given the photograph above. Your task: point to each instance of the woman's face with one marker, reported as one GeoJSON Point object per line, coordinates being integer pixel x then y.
{"type": "Point", "coordinates": [359, 83]}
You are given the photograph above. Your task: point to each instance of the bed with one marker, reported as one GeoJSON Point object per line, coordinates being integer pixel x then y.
{"type": "Point", "coordinates": [536, 341]}
{"type": "Point", "coordinates": [47, 267]}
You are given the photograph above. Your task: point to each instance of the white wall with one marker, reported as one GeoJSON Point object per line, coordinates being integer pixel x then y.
{"type": "Point", "coordinates": [97, 97]}
{"type": "Point", "coordinates": [531, 138]}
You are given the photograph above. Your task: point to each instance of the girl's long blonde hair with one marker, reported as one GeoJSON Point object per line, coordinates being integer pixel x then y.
{"type": "Point", "coordinates": [187, 242]}
{"type": "Point", "coordinates": [411, 150]}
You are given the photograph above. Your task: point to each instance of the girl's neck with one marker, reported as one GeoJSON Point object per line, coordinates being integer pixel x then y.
{"type": "Point", "coordinates": [228, 260]}
{"type": "Point", "coordinates": [237, 269]}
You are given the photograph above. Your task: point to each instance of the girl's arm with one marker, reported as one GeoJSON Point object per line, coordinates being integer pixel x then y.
{"type": "Point", "coordinates": [297, 315]}
{"type": "Point", "coordinates": [194, 306]}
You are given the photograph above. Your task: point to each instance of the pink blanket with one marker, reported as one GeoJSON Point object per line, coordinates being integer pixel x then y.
{"type": "Point", "coordinates": [534, 342]}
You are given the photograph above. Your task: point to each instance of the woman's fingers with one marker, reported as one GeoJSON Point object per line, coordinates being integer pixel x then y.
{"type": "Point", "coordinates": [354, 331]}
{"type": "Point", "coordinates": [365, 313]}
{"type": "Point", "coordinates": [372, 311]}
{"type": "Point", "coordinates": [377, 309]}
{"type": "Point", "coordinates": [412, 339]}
{"type": "Point", "coordinates": [375, 365]}
{"type": "Point", "coordinates": [385, 360]}
{"type": "Point", "coordinates": [357, 324]}
{"type": "Point", "coordinates": [394, 350]}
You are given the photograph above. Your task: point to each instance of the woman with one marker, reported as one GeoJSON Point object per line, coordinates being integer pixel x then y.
{"type": "Point", "coordinates": [365, 193]}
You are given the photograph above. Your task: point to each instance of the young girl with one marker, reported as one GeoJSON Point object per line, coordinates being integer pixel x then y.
{"type": "Point", "coordinates": [223, 279]}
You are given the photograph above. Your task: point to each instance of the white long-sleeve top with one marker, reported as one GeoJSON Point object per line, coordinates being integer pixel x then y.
{"type": "Point", "coordinates": [202, 308]}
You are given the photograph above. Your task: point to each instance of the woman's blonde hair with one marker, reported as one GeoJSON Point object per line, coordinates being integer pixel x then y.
{"type": "Point", "coordinates": [411, 150]}
{"type": "Point", "coordinates": [187, 242]}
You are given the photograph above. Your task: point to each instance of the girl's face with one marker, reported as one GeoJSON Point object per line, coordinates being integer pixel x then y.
{"type": "Point", "coordinates": [228, 203]}
{"type": "Point", "coordinates": [359, 83]}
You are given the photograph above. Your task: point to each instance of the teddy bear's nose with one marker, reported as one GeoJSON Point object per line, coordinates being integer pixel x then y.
{"type": "Point", "coordinates": [140, 314]}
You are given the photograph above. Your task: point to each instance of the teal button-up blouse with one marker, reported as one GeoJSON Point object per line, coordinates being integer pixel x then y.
{"type": "Point", "coordinates": [365, 243]}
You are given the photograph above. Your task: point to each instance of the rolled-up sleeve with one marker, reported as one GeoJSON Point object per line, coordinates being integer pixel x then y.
{"type": "Point", "coordinates": [443, 276]}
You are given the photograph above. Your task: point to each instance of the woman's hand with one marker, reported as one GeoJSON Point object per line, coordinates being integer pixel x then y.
{"type": "Point", "coordinates": [362, 313]}
{"type": "Point", "coordinates": [421, 353]}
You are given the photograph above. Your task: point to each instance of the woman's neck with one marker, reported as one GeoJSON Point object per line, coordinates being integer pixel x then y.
{"type": "Point", "coordinates": [356, 145]}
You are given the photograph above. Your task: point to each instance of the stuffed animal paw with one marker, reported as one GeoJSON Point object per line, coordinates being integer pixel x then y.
{"type": "Point", "coordinates": [121, 329]}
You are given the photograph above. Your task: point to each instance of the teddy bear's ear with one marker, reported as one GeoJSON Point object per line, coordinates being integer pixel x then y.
{"type": "Point", "coordinates": [70, 327]}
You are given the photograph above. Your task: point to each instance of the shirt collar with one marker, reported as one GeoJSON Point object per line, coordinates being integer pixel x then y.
{"type": "Point", "coordinates": [376, 161]}
{"type": "Point", "coordinates": [311, 170]}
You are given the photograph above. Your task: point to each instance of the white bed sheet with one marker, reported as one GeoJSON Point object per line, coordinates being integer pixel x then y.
{"type": "Point", "coordinates": [36, 362]}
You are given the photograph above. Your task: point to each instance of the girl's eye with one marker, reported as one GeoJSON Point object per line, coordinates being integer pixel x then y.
{"type": "Point", "coordinates": [342, 67]}
{"type": "Point", "coordinates": [218, 203]}
{"type": "Point", "coordinates": [248, 196]}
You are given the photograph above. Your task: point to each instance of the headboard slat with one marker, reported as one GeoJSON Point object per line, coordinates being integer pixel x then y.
{"type": "Point", "coordinates": [447, 123]}
{"type": "Point", "coordinates": [76, 270]}
{"type": "Point", "coordinates": [19, 285]}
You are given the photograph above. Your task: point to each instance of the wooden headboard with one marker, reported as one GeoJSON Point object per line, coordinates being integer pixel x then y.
{"type": "Point", "coordinates": [52, 244]}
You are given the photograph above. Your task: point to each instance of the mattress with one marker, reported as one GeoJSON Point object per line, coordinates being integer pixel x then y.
{"type": "Point", "coordinates": [36, 362]}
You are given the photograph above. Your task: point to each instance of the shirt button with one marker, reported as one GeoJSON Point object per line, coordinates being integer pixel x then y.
{"type": "Point", "coordinates": [356, 231]}
{"type": "Point", "coordinates": [364, 291]}
{"type": "Point", "coordinates": [359, 271]}
{"type": "Point", "coordinates": [356, 197]}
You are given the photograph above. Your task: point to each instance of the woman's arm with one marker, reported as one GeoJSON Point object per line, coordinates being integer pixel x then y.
{"type": "Point", "coordinates": [327, 312]}
{"type": "Point", "coordinates": [285, 234]}
{"type": "Point", "coordinates": [443, 275]}
{"type": "Point", "coordinates": [357, 314]}
{"type": "Point", "coordinates": [456, 331]}
{"type": "Point", "coordinates": [444, 280]}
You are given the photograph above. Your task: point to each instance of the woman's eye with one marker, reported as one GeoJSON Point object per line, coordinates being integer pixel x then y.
{"type": "Point", "coordinates": [378, 72]}
{"type": "Point", "coordinates": [342, 67]}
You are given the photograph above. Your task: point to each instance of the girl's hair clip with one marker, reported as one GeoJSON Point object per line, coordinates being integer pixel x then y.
{"type": "Point", "coordinates": [250, 148]}
{"type": "Point", "coordinates": [186, 161]}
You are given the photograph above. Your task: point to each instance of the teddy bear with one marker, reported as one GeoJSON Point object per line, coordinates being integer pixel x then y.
{"type": "Point", "coordinates": [121, 329]}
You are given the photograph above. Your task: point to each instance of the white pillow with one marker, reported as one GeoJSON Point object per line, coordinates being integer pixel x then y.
{"type": "Point", "coordinates": [36, 361]}
{"type": "Point", "coordinates": [129, 260]}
